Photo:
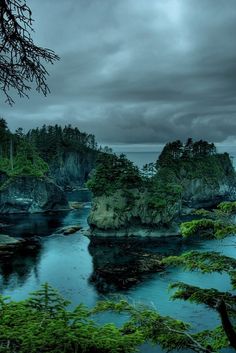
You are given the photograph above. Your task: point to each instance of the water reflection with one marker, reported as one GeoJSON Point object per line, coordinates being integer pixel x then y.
{"type": "Point", "coordinates": [28, 225]}
{"type": "Point", "coordinates": [16, 270]}
{"type": "Point", "coordinates": [119, 264]}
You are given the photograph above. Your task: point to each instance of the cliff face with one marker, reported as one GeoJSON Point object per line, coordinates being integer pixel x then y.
{"type": "Point", "coordinates": [31, 194]}
{"type": "Point", "coordinates": [72, 169]}
{"type": "Point", "coordinates": [125, 214]}
{"type": "Point", "coordinates": [207, 184]}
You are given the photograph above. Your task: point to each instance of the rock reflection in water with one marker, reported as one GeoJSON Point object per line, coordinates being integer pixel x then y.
{"type": "Point", "coordinates": [118, 263]}
{"type": "Point", "coordinates": [28, 225]}
{"type": "Point", "coordinates": [19, 263]}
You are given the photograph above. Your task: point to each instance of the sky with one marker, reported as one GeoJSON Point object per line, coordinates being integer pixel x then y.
{"type": "Point", "coordinates": [136, 72]}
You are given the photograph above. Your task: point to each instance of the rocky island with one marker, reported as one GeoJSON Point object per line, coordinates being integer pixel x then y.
{"type": "Point", "coordinates": [187, 177]}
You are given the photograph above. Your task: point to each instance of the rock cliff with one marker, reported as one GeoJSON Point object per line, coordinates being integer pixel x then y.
{"type": "Point", "coordinates": [30, 194]}
{"type": "Point", "coordinates": [72, 168]}
{"type": "Point", "coordinates": [125, 214]}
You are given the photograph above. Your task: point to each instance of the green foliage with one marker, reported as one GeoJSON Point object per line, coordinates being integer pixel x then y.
{"type": "Point", "coordinates": [215, 214]}
{"type": "Point", "coordinates": [28, 154]}
{"type": "Point", "coordinates": [51, 142]}
{"type": "Point", "coordinates": [209, 297]}
{"type": "Point", "coordinates": [216, 339]}
{"type": "Point", "coordinates": [47, 299]}
{"type": "Point", "coordinates": [195, 160]}
{"type": "Point", "coordinates": [227, 207]}
{"type": "Point", "coordinates": [206, 262]}
{"type": "Point", "coordinates": [163, 194]}
{"type": "Point", "coordinates": [164, 190]}
{"type": "Point", "coordinates": [214, 224]}
{"type": "Point", "coordinates": [25, 163]}
{"type": "Point", "coordinates": [179, 162]}
{"type": "Point", "coordinates": [207, 227]}
{"type": "Point", "coordinates": [176, 150]}
{"type": "Point", "coordinates": [223, 302]}
{"type": "Point", "coordinates": [113, 173]}
{"type": "Point", "coordinates": [42, 324]}
{"type": "Point", "coordinates": [169, 333]}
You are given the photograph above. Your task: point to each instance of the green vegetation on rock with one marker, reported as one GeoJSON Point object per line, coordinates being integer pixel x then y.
{"type": "Point", "coordinates": [51, 142]}
{"type": "Point", "coordinates": [18, 157]}
{"type": "Point", "coordinates": [114, 173]}
{"type": "Point", "coordinates": [25, 163]}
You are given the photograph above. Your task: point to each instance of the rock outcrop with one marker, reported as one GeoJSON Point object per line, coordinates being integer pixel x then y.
{"type": "Point", "coordinates": [129, 214]}
{"type": "Point", "coordinates": [31, 194]}
{"type": "Point", "coordinates": [72, 169]}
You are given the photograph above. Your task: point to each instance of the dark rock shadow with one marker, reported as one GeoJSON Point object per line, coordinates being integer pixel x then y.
{"type": "Point", "coordinates": [120, 263]}
{"type": "Point", "coordinates": [18, 262]}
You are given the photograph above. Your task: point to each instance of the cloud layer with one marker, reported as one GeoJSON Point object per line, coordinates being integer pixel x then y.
{"type": "Point", "coordinates": [137, 71]}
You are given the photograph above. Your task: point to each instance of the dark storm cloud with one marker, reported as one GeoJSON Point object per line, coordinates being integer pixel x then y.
{"type": "Point", "coordinates": [137, 71]}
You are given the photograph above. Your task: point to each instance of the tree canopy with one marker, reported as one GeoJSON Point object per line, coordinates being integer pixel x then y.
{"type": "Point", "coordinates": [113, 173]}
{"type": "Point", "coordinates": [178, 150]}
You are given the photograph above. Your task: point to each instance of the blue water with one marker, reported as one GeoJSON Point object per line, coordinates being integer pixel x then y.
{"type": "Point", "coordinates": [66, 263]}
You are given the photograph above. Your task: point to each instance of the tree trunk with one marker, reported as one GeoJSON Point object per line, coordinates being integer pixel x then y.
{"type": "Point", "coordinates": [226, 323]}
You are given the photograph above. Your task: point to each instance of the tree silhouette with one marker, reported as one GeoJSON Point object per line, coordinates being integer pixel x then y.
{"type": "Point", "coordinates": [20, 59]}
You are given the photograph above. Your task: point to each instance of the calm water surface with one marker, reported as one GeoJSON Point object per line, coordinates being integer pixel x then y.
{"type": "Point", "coordinates": [65, 262]}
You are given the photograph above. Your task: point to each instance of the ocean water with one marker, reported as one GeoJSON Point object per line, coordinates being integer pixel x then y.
{"type": "Point", "coordinates": [142, 158]}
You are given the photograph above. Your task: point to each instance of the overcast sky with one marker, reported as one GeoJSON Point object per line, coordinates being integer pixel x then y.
{"type": "Point", "coordinates": [136, 71]}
